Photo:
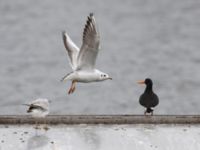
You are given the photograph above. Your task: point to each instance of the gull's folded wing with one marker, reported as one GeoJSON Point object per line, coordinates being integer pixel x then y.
{"type": "Point", "coordinates": [32, 106]}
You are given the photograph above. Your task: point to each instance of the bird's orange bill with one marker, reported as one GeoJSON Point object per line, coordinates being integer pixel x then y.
{"type": "Point", "coordinates": [141, 82]}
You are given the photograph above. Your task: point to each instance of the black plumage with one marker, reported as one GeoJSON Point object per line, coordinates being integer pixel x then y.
{"type": "Point", "coordinates": [148, 99]}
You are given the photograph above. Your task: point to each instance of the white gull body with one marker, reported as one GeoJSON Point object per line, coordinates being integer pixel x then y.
{"type": "Point", "coordinates": [39, 108]}
{"type": "Point", "coordinates": [83, 60]}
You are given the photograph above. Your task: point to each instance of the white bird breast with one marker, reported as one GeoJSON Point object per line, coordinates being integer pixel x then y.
{"type": "Point", "coordinates": [90, 76]}
{"type": "Point", "coordinates": [36, 113]}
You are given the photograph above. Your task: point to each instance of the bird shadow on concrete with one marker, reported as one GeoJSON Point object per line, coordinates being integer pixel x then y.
{"type": "Point", "coordinates": [37, 141]}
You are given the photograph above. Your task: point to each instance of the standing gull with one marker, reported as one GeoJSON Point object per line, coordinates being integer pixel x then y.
{"type": "Point", "coordinates": [38, 108]}
{"type": "Point", "coordinates": [148, 99]}
{"type": "Point", "coordinates": [83, 61]}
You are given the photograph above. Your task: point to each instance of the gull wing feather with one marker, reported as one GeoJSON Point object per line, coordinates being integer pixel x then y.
{"type": "Point", "coordinates": [90, 46]}
{"type": "Point", "coordinates": [72, 50]}
{"type": "Point", "coordinates": [35, 106]}
{"type": "Point", "coordinates": [32, 106]}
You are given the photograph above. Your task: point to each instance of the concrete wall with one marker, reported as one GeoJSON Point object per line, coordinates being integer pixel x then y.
{"type": "Point", "coordinates": [132, 136]}
{"type": "Point", "coordinates": [101, 137]}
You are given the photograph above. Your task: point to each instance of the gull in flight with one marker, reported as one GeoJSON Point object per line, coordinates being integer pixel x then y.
{"type": "Point", "coordinates": [38, 108]}
{"type": "Point", "coordinates": [83, 60]}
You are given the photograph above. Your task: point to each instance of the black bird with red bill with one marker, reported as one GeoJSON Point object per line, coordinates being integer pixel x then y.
{"type": "Point", "coordinates": [148, 99]}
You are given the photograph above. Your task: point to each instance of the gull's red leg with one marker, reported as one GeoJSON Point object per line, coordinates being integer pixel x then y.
{"type": "Point", "coordinates": [72, 88]}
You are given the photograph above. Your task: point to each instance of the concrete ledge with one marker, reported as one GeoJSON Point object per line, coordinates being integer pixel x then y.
{"type": "Point", "coordinates": [103, 119]}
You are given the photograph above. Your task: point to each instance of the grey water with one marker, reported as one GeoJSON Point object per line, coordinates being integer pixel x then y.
{"type": "Point", "coordinates": [139, 39]}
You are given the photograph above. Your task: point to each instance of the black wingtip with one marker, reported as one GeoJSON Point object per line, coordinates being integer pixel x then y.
{"type": "Point", "coordinates": [91, 14]}
{"type": "Point", "coordinates": [26, 104]}
{"type": "Point", "coordinates": [63, 32]}
{"type": "Point", "coordinates": [28, 111]}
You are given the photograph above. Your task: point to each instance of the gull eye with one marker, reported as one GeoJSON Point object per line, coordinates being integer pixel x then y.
{"type": "Point", "coordinates": [104, 75]}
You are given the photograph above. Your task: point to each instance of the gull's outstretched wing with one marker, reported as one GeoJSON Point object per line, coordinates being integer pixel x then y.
{"type": "Point", "coordinates": [72, 50]}
{"type": "Point", "coordinates": [90, 46]}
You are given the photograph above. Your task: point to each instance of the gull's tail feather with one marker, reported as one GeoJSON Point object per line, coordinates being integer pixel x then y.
{"type": "Point", "coordinates": [26, 104]}
{"type": "Point", "coordinates": [91, 14]}
{"type": "Point", "coordinates": [28, 111]}
{"type": "Point", "coordinates": [66, 77]}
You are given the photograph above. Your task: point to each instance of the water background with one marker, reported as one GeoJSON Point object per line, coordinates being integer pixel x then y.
{"type": "Point", "coordinates": [159, 39]}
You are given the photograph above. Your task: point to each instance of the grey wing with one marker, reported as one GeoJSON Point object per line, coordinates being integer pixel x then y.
{"type": "Point", "coordinates": [71, 48]}
{"type": "Point", "coordinates": [90, 46]}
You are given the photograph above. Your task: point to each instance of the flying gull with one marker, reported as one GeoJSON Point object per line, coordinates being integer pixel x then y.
{"type": "Point", "coordinates": [83, 60]}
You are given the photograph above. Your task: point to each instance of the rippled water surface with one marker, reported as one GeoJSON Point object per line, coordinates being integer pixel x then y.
{"type": "Point", "coordinates": [139, 39]}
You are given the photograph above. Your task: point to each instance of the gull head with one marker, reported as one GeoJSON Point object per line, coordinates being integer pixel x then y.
{"type": "Point", "coordinates": [104, 76]}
